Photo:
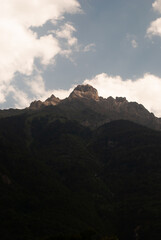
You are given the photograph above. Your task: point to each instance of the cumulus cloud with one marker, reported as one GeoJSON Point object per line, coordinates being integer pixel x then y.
{"type": "Point", "coordinates": [37, 87]}
{"type": "Point", "coordinates": [20, 45]}
{"type": "Point", "coordinates": [145, 90]}
{"type": "Point", "coordinates": [36, 13]}
{"type": "Point", "coordinates": [21, 98]}
{"type": "Point", "coordinates": [155, 26]}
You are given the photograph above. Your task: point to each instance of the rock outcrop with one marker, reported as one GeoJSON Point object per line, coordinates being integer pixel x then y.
{"type": "Point", "coordinates": [36, 105]}
{"type": "Point", "coordinates": [84, 91]}
{"type": "Point", "coordinates": [49, 101]}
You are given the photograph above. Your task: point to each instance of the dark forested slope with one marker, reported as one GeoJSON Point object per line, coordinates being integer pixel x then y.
{"type": "Point", "coordinates": [62, 180]}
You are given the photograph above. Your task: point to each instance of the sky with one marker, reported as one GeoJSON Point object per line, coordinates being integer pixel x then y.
{"type": "Point", "coordinates": [50, 46]}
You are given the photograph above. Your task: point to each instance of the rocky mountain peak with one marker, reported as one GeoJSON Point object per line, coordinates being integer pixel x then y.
{"type": "Point", "coordinates": [94, 111]}
{"type": "Point", "coordinates": [52, 100]}
{"type": "Point", "coordinates": [36, 105]}
{"type": "Point", "coordinates": [85, 91]}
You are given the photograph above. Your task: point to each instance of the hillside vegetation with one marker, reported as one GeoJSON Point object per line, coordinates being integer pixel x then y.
{"type": "Point", "coordinates": [62, 180]}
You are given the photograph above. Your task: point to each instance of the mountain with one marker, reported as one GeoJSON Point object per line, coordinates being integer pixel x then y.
{"type": "Point", "coordinates": [85, 92]}
{"type": "Point", "coordinates": [85, 106]}
{"type": "Point", "coordinates": [49, 101]}
{"type": "Point", "coordinates": [78, 169]}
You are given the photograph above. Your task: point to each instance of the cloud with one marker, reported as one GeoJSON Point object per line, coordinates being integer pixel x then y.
{"type": "Point", "coordinates": [37, 87]}
{"type": "Point", "coordinates": [155, 26]}
{"type": "Point", "coordinates": [66, 32]}
{"type": "Point", "coordinates": [20, 44]}
{"type": "Point", "coordinates": [145, 90]}
{"type": "Point", "coordinates": [89, 47]}
{"type": "Point", "coordinates": [36, 13]}
{"type": "Point", "coordinates": [157, 6]}
{"type": "Point", "coordinates": [134, 43]}
{"type": "Point", "coordinates": [132, 39]}
{"type": "Point", "coordinates": [21, 98]}
{"type": "Point", "coordinates": [63, 93]}
{"type": "Point", "coordinates": [66, 37]}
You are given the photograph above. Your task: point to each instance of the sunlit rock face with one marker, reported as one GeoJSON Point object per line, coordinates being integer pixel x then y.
{"type": "Point", "coordinates": [49, 101]}
{"type": "Point", "coordinates": [36, 105]}
{"type": "Point", "coordinates": [85, 91]}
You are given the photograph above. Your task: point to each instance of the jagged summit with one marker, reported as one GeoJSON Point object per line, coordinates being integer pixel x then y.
{"type": "Point", "coordinates": [85, 91]}
{"type": "Point", "coordinates": [81, 91]}
{"type": "Point", "coordinates": [52, 100]}
{"type": "Point", "coordinates": [93, 111]}
{"type": "Point", "coordinates": [36, 105]}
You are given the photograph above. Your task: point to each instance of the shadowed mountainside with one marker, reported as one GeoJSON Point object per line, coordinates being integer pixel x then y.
{"type": "Point", "coordinates": [62, 180]}
{"type": "Point", "coordinates": [70, 169]}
